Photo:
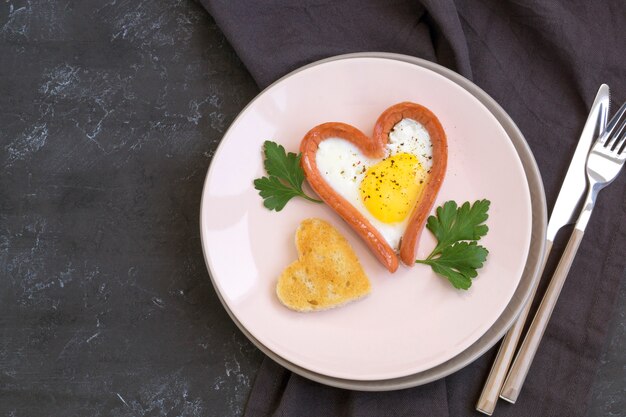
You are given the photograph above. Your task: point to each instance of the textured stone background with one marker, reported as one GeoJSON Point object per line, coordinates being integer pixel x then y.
{"type": "Point", "coordinates": [110, 113]}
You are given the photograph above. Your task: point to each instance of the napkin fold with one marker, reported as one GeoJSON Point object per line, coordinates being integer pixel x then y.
{"type": "Point", "coordinates": [543, 61]}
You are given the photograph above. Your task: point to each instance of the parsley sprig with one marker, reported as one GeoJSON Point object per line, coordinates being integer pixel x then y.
{"type": "Point", "coordinates": [285, 177]}
{"type": "Point", "coordinates": [457, 255]}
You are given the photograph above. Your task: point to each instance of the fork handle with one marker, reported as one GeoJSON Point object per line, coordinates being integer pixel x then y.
{"type": "Point", "coordinates": [523, 360]}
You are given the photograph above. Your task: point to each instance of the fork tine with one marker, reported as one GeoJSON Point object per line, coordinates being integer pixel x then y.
{"type": "Point", "coordinates": [621, 139]}
{"type": "Point", "coordinates": [617, 135]}
{"type": "Point", "coordinates": [607, 138]}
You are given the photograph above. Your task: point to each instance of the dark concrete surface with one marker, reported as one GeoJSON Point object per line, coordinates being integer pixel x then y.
{"type": "Point", "coordinates": [110, 112]}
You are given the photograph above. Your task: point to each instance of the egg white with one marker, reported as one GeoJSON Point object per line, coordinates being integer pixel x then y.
{"type": "Point", "coordinates": [343, 167]}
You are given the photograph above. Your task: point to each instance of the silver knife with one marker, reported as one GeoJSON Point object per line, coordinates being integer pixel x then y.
{"type": "Point", "coordinates": [564, 213]}
{"type": "Point", "coordinates": [568, 202]}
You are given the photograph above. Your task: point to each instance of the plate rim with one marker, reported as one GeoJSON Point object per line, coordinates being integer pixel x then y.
{"type": "Point", "coordinates": [528, 162]}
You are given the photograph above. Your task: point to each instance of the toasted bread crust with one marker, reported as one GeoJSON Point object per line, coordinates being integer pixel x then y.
{"type": "Point", "coordinates": [326, 275]}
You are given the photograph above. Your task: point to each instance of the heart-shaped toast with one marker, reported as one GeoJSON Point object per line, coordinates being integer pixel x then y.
{"type": "Point", "coordinates": [384, 186]}
{"type": "Point", "coordinates": [327, 273]}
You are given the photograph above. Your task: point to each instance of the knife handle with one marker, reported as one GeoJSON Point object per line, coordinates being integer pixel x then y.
{"type": "Point", "coordinates": [523, 360]}
{"type": "Point", "coordinates": [491, 390]}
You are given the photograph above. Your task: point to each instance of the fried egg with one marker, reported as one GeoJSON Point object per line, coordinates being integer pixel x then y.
{"type": "Point", "coordinates": [383, 190]}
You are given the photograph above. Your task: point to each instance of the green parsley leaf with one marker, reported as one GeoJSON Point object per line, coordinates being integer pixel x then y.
{"type": "Point", "coordinates": [454, 224]}
{"type": "Point", "coordinates": [285, 177]}
{"type": "Point", "coordinates": [459, 263]}
{"type": "Point", "coordinates": [279, 163]}
{"type": "Point", "coordinates": [275, 194]}
{"type": "Point", "coordinates": [457, 256]}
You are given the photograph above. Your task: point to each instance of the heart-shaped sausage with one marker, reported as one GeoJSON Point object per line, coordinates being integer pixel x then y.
{"type": "Point", "coordinates": [375, 147]}
{"type": "Point", "coordinates": [327, 273]}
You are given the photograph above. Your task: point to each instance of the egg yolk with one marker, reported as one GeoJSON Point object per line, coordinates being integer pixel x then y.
{"type": "Point", "coordinates": [390, 188]}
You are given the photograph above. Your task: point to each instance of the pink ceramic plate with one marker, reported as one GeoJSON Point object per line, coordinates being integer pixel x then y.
{"type": "Point", "coordinates": [413, 320]}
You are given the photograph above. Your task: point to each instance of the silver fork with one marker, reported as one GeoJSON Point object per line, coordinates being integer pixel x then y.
{"type": "Point", "coordinates": [604, 163]}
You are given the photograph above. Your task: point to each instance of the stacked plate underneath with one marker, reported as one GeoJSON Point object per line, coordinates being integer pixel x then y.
{"type": "Point", "coordinates": [414, 327]}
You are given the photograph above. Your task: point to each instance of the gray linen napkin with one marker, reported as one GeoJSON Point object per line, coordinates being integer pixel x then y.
{"type": "Point", "coordinates": [543, 62]}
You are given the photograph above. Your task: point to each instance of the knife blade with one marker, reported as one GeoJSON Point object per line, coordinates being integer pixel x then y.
{"type": "Point", "coordinates": [575, 183]}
